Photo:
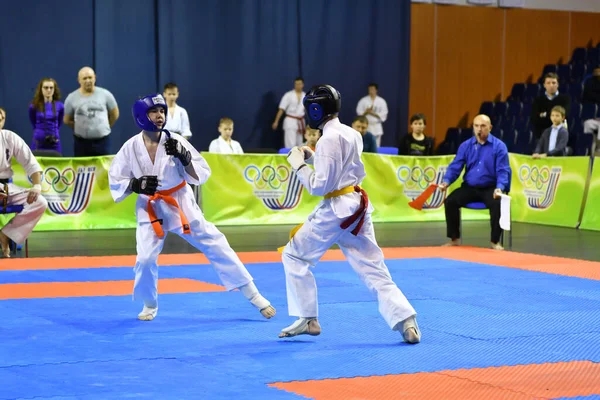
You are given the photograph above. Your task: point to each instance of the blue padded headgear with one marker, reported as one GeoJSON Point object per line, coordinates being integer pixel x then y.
{"type": "Point", "coordinates": [143, 105]}
{"type": "Point", "coordinates": [320, 103]}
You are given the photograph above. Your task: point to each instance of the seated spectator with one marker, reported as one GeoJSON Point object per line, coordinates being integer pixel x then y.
{"type": "Point", "coordinates": [554, 139]}
{"type": "Point", "coordinates": [46, 115]}
{"type": "Point", "coordinates": [361, 124]}
{"type": "Point", "coordinates": [34, 204]}
{"type": "Point", "coordinates": [311, 136]}
{"type": "Point", "coordinates": [416, 143]}
{"type": "Point", "coordinates": [177, 120]}
{"type": "Point", "coordinates": [542, 105]}
{"type": "Point", "coordinates": [2, 117]}
{"type": "Point", "coordinates": [591, 94]}
{"type": "Point", "coordinates": [224, 144]}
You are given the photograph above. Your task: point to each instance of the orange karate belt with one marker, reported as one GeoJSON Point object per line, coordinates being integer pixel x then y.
{"type": "Point", "coordinates": [301, 124]}
{"type": "Point", "coordinates": [165, 195]}
{"type": "Point", "coordinates": [359, 214]}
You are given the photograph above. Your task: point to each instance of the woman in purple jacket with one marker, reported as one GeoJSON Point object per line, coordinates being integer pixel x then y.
{"type": "Point", "coordinates": [46, 115]}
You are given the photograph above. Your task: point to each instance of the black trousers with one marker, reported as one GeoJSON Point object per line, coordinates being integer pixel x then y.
{"type": "Point", "coordinates": [467, 194]}
{"type": "Point", "coordinates": [91, 147]}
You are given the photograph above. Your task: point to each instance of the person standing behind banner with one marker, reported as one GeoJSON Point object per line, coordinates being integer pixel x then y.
{"type": "Point", "coordinates": [91, 112]}
{"type": "Point", "coordinates": [178, 120]}
{"type": "Point", "coordinates": [224, 144]}
{"type": "Point", "coordinates": [46, 115]}
{"type": "Point", "coordinates": [293, 124]}
{"type": "Point", "coordinates": [375, 109]}
{"type": "Point", "coordinates": [34, 204]}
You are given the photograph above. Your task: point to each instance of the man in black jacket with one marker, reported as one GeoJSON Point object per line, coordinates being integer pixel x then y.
{"type": "Point", "coordinates": [542, 105]}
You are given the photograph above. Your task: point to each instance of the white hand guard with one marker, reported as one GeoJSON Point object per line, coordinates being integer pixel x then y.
{"type": "Point", "coordinates": [296, 158]}
{"type": "Point", "coordinates": [308, 155]}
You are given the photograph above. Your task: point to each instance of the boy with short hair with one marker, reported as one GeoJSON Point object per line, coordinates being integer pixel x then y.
{"type": "Point", "coordinates": [312, 136]}
{"type": "Point", "coordinates": [178, 120]}
{"type": "Point", "coordinates": [224, 144]}
{"type": "Point", "coordinates": [416, 143]}
{"type": "Point", "coordinates": [554, 139]}
{"type": "Point", "coordinates": [361, 124]}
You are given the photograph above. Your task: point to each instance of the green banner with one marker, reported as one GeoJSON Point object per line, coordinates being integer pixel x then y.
{"type": "Point", "coordinates": [548, 191]}
{"type": "Point", "coordinates": [393, 181]}
{"type": "Point", "coordinates": [253, 189]}
{"type": "Point", "coordinates": [78, 195]}
{"type": "Point", "coordinates": [591, 213]}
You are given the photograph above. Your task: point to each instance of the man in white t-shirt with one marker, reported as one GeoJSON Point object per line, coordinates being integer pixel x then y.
{"type": "Point", "coordinates": [375, 109]}
{"type": "Point", "coordinates": [293, 123]}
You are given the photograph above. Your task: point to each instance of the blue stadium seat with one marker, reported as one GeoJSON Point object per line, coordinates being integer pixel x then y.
{"type": "Point", "coordinates": [564, 73]}
{"type": "Point", "coordinates": [508, 123]}
{"type": "Point", "coordinates": [523, 142]}
{"type": "Point", "coordinates": [388, 150]}
{"type": "Point", "coordinates": [575, 110]}
{"type": "Point", "coordinates": [578, 72]}
{"type": "Point", "coordinates": [500, 109]}
{"type": "Point", "coordinates": [509, 138]}
{"type": "Point", "coordinates": [531, 92]}
{"type": "Point", "coordinates": [579, 55]}
{"type": "Point", "coordinates": [465, 134]}
{"type": "Point", "coordinates": [526, 112]}
{"type": "Point", "coordinates": [588, 111]}
{"type": "Point", "coordinates": [592, 56]}
{"type": "Point", "coordinates": [522, 123]}
{"type": "Point", "coordinates": [487, 108]}
{"type": "Point", "coordinates": [284, 150]}
{"type": "Point", "coordinates": [575, 91]}
{"type": "Point", "coordinates": [549, 68]}
{"type": "Point", "coordinates": [583, 145]}
{"type": "Point", "coordinates": [514, 108]}
{"type": "Point", "coordinates": [517, 93]}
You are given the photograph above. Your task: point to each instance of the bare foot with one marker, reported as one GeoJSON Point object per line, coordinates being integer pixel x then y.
{"type": "Point", "coordinates": [453, 242]}
{"type": "Point", "coordinates": [5, 244]}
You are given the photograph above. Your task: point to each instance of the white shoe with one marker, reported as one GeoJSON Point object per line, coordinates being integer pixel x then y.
{"type": "Point", "coordinates": [302, 326]}
{"type": "Point", "coordinates": [264, 306]}
{"type": "Point", "coordinates": [410, 330]}
{"type": "Point", "coordinates": [148, 313]}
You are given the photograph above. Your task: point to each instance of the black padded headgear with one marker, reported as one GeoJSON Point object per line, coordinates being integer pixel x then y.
{"type": "Point", "coordinates": [320, 103]}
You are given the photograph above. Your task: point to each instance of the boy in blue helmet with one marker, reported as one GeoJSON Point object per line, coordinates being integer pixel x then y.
{"type": "Point", "coordinates": [157, 165]}
{"type": "Point", "coordinates": [343, 217]}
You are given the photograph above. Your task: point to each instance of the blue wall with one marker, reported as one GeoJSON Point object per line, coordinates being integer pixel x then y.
{"type": "Point", "coordinates": [231, 58]}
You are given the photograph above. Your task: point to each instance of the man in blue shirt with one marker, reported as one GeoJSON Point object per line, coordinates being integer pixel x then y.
{"type": "Point", "coordinates": [487, 175]}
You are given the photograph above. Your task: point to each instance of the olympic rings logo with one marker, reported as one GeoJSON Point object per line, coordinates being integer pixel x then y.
{"type": "Point", "coordinates": [534, 176]}
{"type": "Point", "coordinates": [268, 177]}
{"type": "Point", "coordinates": [58, 181]}
{"type": "Point", "coordinates": [416, 177]}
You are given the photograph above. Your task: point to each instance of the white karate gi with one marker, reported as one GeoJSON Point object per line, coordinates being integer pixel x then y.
{"type": "Point", "coordinates": [220, 146]}
{"type": "Point", "coordinates": [178, 122]}
{"type": "Point", "coordinates": [293, 123]}
{"type": "Point", "coordinates": [337, 164]}
{"type": "Point", "coordinates": [21, 225]}
{"type": "Point", "coordinates": [132, 161]}
{"type": "Point", "coordinates": [380, 108]}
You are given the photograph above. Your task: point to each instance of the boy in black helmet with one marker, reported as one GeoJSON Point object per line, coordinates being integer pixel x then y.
{"type": "Point", "coordinates": [343, 217]}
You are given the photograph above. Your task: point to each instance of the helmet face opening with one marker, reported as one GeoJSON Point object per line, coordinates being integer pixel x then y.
{"type": "Point", "coordinates": [142, 107]}
{"type": "Point", "coordinates": [322, 102]}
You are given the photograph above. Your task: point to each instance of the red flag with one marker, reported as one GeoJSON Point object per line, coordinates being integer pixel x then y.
{"type": "Point", "coordinates": [419, 202]}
